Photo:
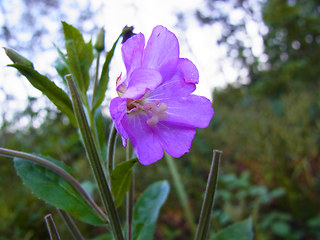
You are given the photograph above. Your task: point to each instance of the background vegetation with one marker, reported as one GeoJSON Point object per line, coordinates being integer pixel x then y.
{"type": "Point", "coordinates": [269, 130]}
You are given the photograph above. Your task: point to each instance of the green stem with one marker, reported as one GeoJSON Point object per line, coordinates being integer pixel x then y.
{"type": "Point", "coordinates": [73, 229]}
{"type": "Point", "coordinates": [94, 160]}
{"type": "Point", "coordinates": [181, 192]}
{"type": "Point", "coordinates": [203, 226]}
{"type": "Point", "coordinates": [130, 197]}
{"type": "Point", "coordinates": [53, 232]}
{"type": "Point", "coordinates": [95, 85]}
{"type": "Point", "coordinates": [93, 127]}
{"type": "Point", "coordinates": [111, 148]}
{"type": "Point", "coordinates": [58, 170]}
{"type": "Point", "coordinates": [91, 113]}
{"type": "Point", "coordinates": [206, 230]}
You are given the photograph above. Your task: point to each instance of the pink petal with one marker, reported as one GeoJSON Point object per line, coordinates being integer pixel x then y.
{"type": "Point", "coordinates": [189, 71]}
{"type": "Point", "coordinates": [175, 140]}
{"type": "Point", "coordinates": [162, 51]}
{"type": "Point", "coordinates": [184, 80]}
{"type": "Point", "coordinates": [118, 108]}
{"type": "Point", "coordinates": [132, 51]}
{"type": "Point", "coordinates": [143, 138]}
{"type": "Point", "coordinates": [141, 80]}
{"type": "Point", "coordinates": [191, 111]}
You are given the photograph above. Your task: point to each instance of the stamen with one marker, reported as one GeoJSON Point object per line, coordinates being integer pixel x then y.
{"type": "Point", "coordinates": [156, 109]}
{"type": "Point", "coordinates": [153, 121]}
{"type": "Point", "coordinates": [158, 112]}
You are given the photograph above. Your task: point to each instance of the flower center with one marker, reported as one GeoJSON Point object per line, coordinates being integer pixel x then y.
{"type": "Point", "coordinates": [157, 110]}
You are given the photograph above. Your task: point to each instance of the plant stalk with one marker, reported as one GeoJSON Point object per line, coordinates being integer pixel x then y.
{"type": "Point", "coordinates": [130, 197]}
{"type": "Point", "coordinates": [95, 85]}
{"type": "Point", "coordinates": [203, 226]}
{"type": "Point", "coordinates": [111, 148]}
{"type": "Point", "coordinates": [53, 232]}
{"type": "Point", "coordinates": [94, 160]}
{"type": "Point", "coordinates": [92, 113]}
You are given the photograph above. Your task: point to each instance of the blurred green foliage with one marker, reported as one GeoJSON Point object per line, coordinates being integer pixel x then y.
{"type": "Point", "coordinates": [269, 131]}
{"type": "Point", "coordinates": [277, 139]}
{"type": "Point", "coordinates": [21, 212]}
{"type": "Point", "coordinates": [271, 126]}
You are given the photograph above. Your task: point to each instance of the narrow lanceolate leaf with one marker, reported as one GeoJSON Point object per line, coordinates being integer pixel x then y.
{"type": "Point", "coordinates": [146, 210]}
{"type": "Point", "coordinates": [79, 56]}
{"type": "Point", "coordinates": [61, 64]}
{"type": "Point", "coordinates": [104, 77]}
{"type": "Point", "coordinates": [61, 68]}
{"type": "Point", "coordinates": [237, 231]}
{"type": "Point", "coordinates": [121, 180]}
{"type": "Point", "coordinates": [56, 95]}
{"type": "Point", "coordinates": [55, 190]}
{"type": "Point", "coordinates": [204, 221]}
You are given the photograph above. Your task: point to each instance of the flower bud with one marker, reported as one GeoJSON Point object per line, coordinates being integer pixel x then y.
{"type": "Point", "coordinates": [17, 58]}
{"type": "Point", "coordinates": [99, 45]}
{"type": "Point", "coordinates": [127, 33]}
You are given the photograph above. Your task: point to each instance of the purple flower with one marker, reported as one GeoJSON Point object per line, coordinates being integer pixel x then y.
{"type": "Point", "coordinates": [155, 108]}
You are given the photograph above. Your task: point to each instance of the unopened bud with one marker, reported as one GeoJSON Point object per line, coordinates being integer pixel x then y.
{"type": "Point", "coordinates": [99, 45]}
{"type": "Point", "coordinates": [127, 33]}
{"type": "Point", "coordinates": [17, 58]}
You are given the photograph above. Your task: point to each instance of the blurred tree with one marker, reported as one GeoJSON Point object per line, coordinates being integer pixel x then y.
{"type": "Point", "coordinates": [22, 29]}
{"type": "Point", "coordinates": [242, 28]}
{"type": "Point", "coordinates": [31, 27]}
{"type": "Point", "coordinates": [292, 45]}
{"type": "Point", "coordinates": [290, 31]}
{"type": "Point", "coordinates": [271, 125]}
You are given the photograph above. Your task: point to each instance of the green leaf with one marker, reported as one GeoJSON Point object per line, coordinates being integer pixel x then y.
{"type": "Point", "coordinates": [106, 236]}
{"type": "Point", "coordinates": [104, 77]}
{"type": "Point", "coordinates": [50, 187]}
{"type": "Point", "coordinates": [314, 222]}
{"type": "Point", "coordinates": [121, 180]}
{"type": "Point", "coordinates": [61, 64]}
{"type": "Point", "coordinates": [80, 56]}
{"type": "Point", "coordinates": [61, 68]}
{"type": "Point", "coordinates": [146, 210]}
{"type": "Point", "coordinates": [280, 228]}
{"type": "Point", "coordinates": [237, 231]}
{"type": "Point", "coordinates": [57, 96]}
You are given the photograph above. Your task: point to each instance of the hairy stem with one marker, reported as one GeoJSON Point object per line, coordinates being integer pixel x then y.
{"type": "Point", "coordinates": [94, 160]}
